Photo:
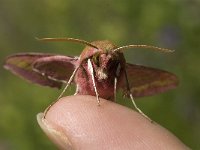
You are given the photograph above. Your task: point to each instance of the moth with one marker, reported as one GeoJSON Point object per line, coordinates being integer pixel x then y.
{"type": "Point", "coordinates": [100, 70]}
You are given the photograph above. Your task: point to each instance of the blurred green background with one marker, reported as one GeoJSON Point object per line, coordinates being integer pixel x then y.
{"type": "Point", "coordinates": [171, 24]}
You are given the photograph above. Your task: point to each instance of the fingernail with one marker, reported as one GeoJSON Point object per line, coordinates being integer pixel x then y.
{"type": "Point", "coordinates": [59, 138]}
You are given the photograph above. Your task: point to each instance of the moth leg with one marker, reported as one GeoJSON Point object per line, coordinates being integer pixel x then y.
{"type": "Point", "coordinates": [115, 88]}
{"type": "Point", "coordinates": [90, 68]}
{"type": "Point", "coordinates": [68, 83]}
{"type": "Point", "coordinates": [133, 101]}
{"type": "Point", "coordinates": [115, 80]}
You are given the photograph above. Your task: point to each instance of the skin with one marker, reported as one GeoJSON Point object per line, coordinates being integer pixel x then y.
{"type": "Point", "coordinates": [76, 122]}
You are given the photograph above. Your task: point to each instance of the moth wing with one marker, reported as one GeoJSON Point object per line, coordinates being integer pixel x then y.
{"type": "Point", "coordinates": [146, 81]}
{"type": "Point", "coordinates": [22, 65]}
{"type": "Point", "coordinates": [58, 68]}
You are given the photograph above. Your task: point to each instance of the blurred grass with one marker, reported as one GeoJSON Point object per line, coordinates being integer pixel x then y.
{"type": "Point", "coordinates": [171, 24]}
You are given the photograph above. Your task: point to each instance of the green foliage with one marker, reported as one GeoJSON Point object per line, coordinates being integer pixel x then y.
{"type": "Point", "coordinates": [168, 23]}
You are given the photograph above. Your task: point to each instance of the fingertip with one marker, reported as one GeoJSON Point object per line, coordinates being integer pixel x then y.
{"type": "Point", "coordinates": [108, 126]}
{"type": "Point", "coordinates": [54, 134]}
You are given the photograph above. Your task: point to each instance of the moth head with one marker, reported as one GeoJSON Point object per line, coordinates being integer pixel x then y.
{"type": "Point", "coordinates": [106, 64]}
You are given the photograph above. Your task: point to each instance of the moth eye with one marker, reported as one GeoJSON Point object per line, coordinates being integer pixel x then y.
{"type": "Point", "coordinates": [96, 60]}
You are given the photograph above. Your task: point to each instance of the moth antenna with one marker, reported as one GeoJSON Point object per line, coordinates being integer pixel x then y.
{"type": "Point", "coordinates": [90, 68]}
{"type": "Point", "coordinates": [144, 46]}
{"type": "Point", "coordinates": [66, 40]}
{"type": "Point", "coordinates": [132, 99]}
{"type": "Point", "coordinates": [68, 83]}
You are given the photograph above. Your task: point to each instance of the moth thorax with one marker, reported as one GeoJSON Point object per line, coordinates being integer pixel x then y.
{"type": "Point", "coordinates": [101, 74]}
